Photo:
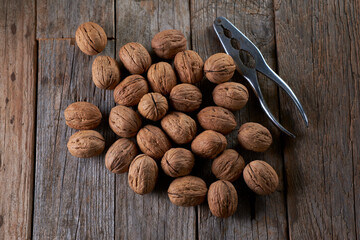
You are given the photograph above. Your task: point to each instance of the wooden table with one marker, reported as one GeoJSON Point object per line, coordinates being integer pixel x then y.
{"type": "Point", "coordinates": [45, 193]}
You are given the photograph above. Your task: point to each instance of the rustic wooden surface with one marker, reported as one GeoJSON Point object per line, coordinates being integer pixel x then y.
{"type": "Point", "coordinates": [314, 45]}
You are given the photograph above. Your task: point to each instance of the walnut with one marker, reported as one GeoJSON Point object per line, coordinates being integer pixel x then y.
{"type": "Point", "coordinates": [230, 95]}
{"type": "Point", "coordinates": [187, 191]}
{"type": "Point", "coordinates": [124, 121]}
{"type": "Point", "coordinates": [105, 72]}
{"type": "Point", "coordinates": [261, 177]}
{"type": "Point", "coordinates": [219, 68]}
{"type": "Point", "coordinates": [222, 199]}
{"type": "Point", "coordinates": [153, 141]}
{"type": "Point", "coordinates": [177, 162]}
{"type": "Point", "coordinates": [86, 143]}
{"type": "Point", "coordinates": [90, 38]}
{"type": "Point", "coordinates": [189, 66]}
{"type": "Point", "coordinates": [218, 119]}
{"type": "Point", "coordinates": [168, 43]}
{"type": "Point", "coordinates": [131, 90]}
{"type": "Point", "coordinates": [161, 77]}
{"type": "Point", "coordinates": [135, 58]}
{"type": "Point", "coordinates": [228, 166]}
{"type": "Point", "coordinates": [82, 116]}
{"type": "Point", "coordinates": [143, 173]}
{"type": "Point", "coordinates": [208, 144]}
{"type": "Point", "coordinates": [153, 106]}
{"type": "Point", "coordinates": [179, 127]}
{"type": "Point", "coordinates": [254, 137]}
{"type": "Point", "coordinates": [185, 97]}
{"type": "Point", "coordinates": [120, 155]}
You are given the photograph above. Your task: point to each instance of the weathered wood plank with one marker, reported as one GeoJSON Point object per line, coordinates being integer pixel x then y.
{"type": "Point", "coordinates": [60, 19]}
{"type": "Point", "coordinates": [74, 198]}
{"type": "Point", "coordinates": [257, 217]}
{"type": "Point", "coordinates": [318, 54]}
{"type": "Point", "coordinates": [151, 216]}
{"type": "Point", "coordinates": [17, 117]}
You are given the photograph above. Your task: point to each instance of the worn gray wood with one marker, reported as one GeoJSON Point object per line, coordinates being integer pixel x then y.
{"type": "Point", "coordinates": [74, 198]}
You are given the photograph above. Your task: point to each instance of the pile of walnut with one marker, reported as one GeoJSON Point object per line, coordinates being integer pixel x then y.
{"type": "Point", "coordinates": [147, 95]}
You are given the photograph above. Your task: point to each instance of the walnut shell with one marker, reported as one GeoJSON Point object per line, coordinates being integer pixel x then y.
{"type": "Point", "coordinates": [143, 173]}
{"type": "Point", "coordinates": [135, 58]}
{"type": "Point", "coordinates": [82, 116]}
{"type": "Point", "coordinates": [177, 162]}
{"type": "Point", "coordinates": [161, 77]}
{"type": "Point", "coordinates": [105, 72]}
{"type": "Point", "coordinates": [131, 90]}
{"type": "Point", "coordinates": [208, 144]}
{"type": "Point", "coordinates": [254, 137]}
{"type": "Point", "coordinates": [218, 119]}
{"type": "Point", "coordinates": [187, 191]}
{"type": "Point", "coordinates": [219, 68]}
{"type": "Point", "coordinates": [124, 121]}
{"type": "Point", "coordinates": [91, 38]}
{"type": "Point", "coordinates": [222, 199]}
{"type": "Point", "coordinates": [228, 166]}
{"type": "Point", "coordinates": [86, 143]}
{"type": "Point", "coordinates": [168, 43]}
{"type": "Point", "coordinates": [185, 97]}
{"type": "Point", "coordinates": [189, 66]}
{"type": "Point", "coordinates": [230, 95]}
{"type": "Point", "coordinates": [153, 141]}
{"type": "Point", "coordinates": [261, 177]}
{"type": "Point", "coordinates": [120, 155]}
{"type": "Point", "coordinates": [179, 127]}
{"type": "Point", "coordinates": [153, 106]}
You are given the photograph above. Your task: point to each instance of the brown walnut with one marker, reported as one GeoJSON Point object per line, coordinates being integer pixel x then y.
{"type": "Point", "coordinates": [86, 143]}
{"type": "Point", "coordinates": [254, 137]}
{"type": "Point", "coordinates": [153, 106]}
{"type": "Point", "coordinates": [161, 77]}
{"type": "Point", "coordinates": [222, 199]}
{"type": "Point", "coordinates": [131, 90]}
{"type": "Point", "coordinates": [218, 119]}
{"type": "Point", "coordinates": [219, 68]}
{"type": "Point", "coordinates": [187, 191]}
{"type": "Point", "coordinates": [208, 144]}
{"type": "Point", "coordinates": [185, 97]}
{"type": "Point", "coordinates": [230, 95]}
{"type": "Point", "coordinates": [228, 166]}
{"type": "Point", "coordinates": [135, 58]}
{"type": "Point", "coordinates": [105, 72]}
{"type": "Point", "coordinates": [261, 177]}
{"type": "Point", "coordinates": [189, 66]}
{"type": "Point", "coordinates": [168, 43]}
{"type": "Point", "coordinates": [124, 121]}
{"type": "Point", "coordinates": [82, 116]}
{"type": "Point", "coordinates": [179, 127]}
{"type": "Point", "coordinates": [120, 155]}
{"type": "Point", "coordinates": [90, 38]}
{"type": "Point", "coordinates": [177, 162]}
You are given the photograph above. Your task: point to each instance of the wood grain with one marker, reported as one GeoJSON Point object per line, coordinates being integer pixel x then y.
{"type": "Point", "coordinates": [17, 117]}
{"type": "Point", "coordinates": [318, 54]}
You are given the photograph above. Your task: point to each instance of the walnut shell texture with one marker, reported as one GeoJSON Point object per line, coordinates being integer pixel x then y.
{"type": "Point", "coordinates": [177, 162]}
{"type": "Point", "coordinates": [153, 106]}
{"type": "Point", "coordinates": [261, 177]}
{"type": "Point", "coordinates": [179, 127]}
{"type": "Point", "coordinates": [228, 166]}
{"type": "Point", "coordinates": [189, 66]}
{"type": "Point", "coordinates": [105, 72]}
{"type": "Point", "coordinates": [185, 97]}
{"type": "Point", "coordinates": [86, 143]}
{"type": "Point", "coordinates": [219, 68]}
{"type": "Point", "coordinates": [254, 137]}
{"type": "Point", "coordinates": [135, 58]}
{"type": "Point", "coordinates": [209, 144]}
{"type": "Point", "coordinates": [82, 116]}
{"type": "Point", "coordinates": [222, 199]}
{"type": "Point", "coordinates": [161, 77]}
{"type": "Point", "coordinates": [120, 155]}
{"type": "Point", "coordinates": [152, 141]}
{"type": "Point", "coordinates": [124, 121]}
{"type": "Point", "coordinates": [131, 90]}
{"type": "Point", "coordinates": [218, 119]}
{"type": "Point", "coordinates": [230, 95]}
{"type": "Point", "coordinates": [143, 173]}
{"type": "Point", "coordinates": [168, 43]}
{"type": "Point", "coordinates": [91, 38]}
{"type": "Point", "coordinates": [187, 191]}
